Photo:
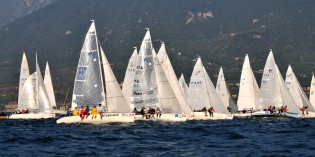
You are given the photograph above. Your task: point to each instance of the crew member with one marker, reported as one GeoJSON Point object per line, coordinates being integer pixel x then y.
{"type": "Point", "coordinates": [94, 112]}
{"type": "Point", "coordinates": [75, 112]}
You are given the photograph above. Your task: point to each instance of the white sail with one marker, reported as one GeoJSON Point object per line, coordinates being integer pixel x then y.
{"type": "Point", "coordinates": [49, 86]}
{"type": "Point", "coordinates": [29, 93]}
{"type": "Point", "coordinates": [273, 89]}
{"type": "Point", "coordinates": [42, 96]}
{"type": "Point", "coordinates": [296, 90]}
{"type": "Point", "coordinates": [248, 96]}
{"type": "Point", "coordinates": [88, 84]}
{"type": "Point", "coordinates": [144, 87]}
{"type": "Point", "coordinates": [129, 77]}
{"type": "Point", "coordinates": [167, 99]}
{"type": "Point", "coordinates": [201, 91]}
{"type": "Point", "coordinates": [183, 85]}
{"type": "Point", "coordinates": [172, 79]}
{"type": "Point", "coordinates": [116, 101]}
{"type": "Point", "coordinates": [24, 74]}
{"type": "Point", "coordinates": [312, 91]}
{"type": "Point", "coordinates": [222, 89]}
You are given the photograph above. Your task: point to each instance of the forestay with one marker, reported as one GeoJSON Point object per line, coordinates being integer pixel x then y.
{"type": "Point", "coordinates": [129, 78]}
{"type": "Point", "coordinates": [23, 101]}
{"type": "Point", "coordinates": [248, 96]}
{"type": "Point", "coordinates": [49, 86]}
{"type": "Point", "coordinates": [296, 90]}
{"type": "Point", "coordinates": [116, 101]}
{"type": "Point", "coordinates": [172, 79]}
{"type": "Point", "coordinates": [88, 83]}
{"type": "Point", "coordinates": [144, 87]}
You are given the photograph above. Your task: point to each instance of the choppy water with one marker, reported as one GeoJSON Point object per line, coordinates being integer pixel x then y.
{"type": "Point", "coordinates": [239, 137]}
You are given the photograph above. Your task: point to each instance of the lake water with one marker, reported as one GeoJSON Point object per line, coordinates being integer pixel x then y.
{"type": "Point", "coordinates": [239, 137]}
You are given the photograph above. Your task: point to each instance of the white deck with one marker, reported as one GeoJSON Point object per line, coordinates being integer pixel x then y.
{"type": "Point", "coordinates": [167, 117]}
{"type": "Point", "coordinates": [33, 116]}
{"type": "Point", "coordinates": [216, 116]}
{"type": "Point", "coordinates": [107, 118]}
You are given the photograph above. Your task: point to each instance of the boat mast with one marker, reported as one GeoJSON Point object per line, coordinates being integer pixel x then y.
{"type": "Point", "coordinates": [37, 86]}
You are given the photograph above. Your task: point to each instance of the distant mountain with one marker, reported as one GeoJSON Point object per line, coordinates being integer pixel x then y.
{"type": "Point", "coordinates": [10, 10]}
{"type": "Point", "coordinates": [220, 31]}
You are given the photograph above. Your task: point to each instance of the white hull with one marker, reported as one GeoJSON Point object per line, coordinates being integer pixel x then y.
{"type": "Point", "coordinates": [242, 115]}
{"type": "Point", "coordinates": [216, 116]}
{"type": "Point", "coordinates": [60, 112]}
{"type": "Point", "coordinates": [297, 115]}
{"type": "Point", "coordinates": [107, 118]}
{"type": "Point", "coordinates": [167, 117]}
{"type": "Point", "coordinates": [33, 116]}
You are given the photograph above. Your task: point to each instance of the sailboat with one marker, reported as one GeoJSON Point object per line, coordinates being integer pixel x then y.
{"type": "Point", "coordinates": [129, 78]}
{"type": "Point", "coordinates": [201, 93]}
{"type": "Point", "coordinates": [274, 92]}
{"type": "Point", "coordinates": [223, 92]}
{"type": "Point", "coordinates": [33, 96]}
{"type": "Point", "coordinates": [248, 95]}
{"type": "Point", "coordinates": [183, 85]}
{"type": "Point", "coordinates": [89, 87]}
{"type": "Point", "coordinates": [312, 91]}
{"type": "Point", "coordinates": [297, 92]}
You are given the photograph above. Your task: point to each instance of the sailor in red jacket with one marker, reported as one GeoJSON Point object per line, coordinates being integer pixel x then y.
{"type": "Point", "coordinates": [82, 112]}
{"type": "Point", "coordinates": [211, 110]}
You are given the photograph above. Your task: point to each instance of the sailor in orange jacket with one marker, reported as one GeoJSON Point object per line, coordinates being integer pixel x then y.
{"type": "Point", "coordinates": [94, 112]}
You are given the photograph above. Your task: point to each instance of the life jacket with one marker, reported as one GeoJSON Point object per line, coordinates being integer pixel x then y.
{"type": "Point", "coordinates": [94, 110]}
{"type": "Point", "coordinates": [82, 111]}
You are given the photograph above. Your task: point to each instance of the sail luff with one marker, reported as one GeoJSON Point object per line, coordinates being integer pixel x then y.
{"type": "Point", "coordinates": [116, 101]}
{"type": "Point", "coordinates": [49, 86]}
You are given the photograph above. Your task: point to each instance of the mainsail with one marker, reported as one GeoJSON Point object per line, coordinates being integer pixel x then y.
{"type": "Point", "coordinates": [24, 74]}
{"type": "Point", "coordinates": [296, 90]}
{"type": "Point", "coordinates": [183, 85]}
{"type": "Point", "coordinates": [116, 101]}
{"type": "Point", "coordinates": [129, 78]}
{"type": "Point", "coordinates": [201, 91]}
{"type": "Point", "coordinates": [88, 84]}
{"type": "Point", "coordinates": [49, 86]}
{"type": "Point", "coordinates": [144, 86]}
{"type": "Point", "coordinates": [172, 79]}
{"type": "Point", "coordinates": [248, 95]}
{"type": "Point", "coordinates": [312, 91]}
{"type": "Point", "coordinates": [273, 89]}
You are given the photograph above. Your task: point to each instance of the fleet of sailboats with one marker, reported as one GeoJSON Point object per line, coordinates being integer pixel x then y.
{"type": "Point", "coordinates": [151, 82]}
